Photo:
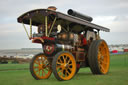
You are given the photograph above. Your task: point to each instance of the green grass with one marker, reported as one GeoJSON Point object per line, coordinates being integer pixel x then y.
{"type": "Point", "coordinates": [13, 66]}
{"type": "Point", "coordinates": [118, 75]}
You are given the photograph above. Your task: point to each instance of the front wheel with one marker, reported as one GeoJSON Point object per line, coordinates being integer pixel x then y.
{"type": "Point", "coordinates": [40, 67]}
{"type": "Point", "coordinates": [98, 57]}
{"type": "Point", "coordinates": [64, 65]}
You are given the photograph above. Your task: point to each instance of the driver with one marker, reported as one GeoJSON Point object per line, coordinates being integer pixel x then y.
{"type": "Point", "coordinates": [41, 28]}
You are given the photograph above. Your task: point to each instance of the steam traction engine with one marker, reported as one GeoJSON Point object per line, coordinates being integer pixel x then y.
{"type": "Point", "coordinates": [69, 43]}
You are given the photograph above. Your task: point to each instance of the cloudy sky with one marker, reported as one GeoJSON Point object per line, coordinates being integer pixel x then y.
{"type": "Point", "coordinates": [112, 14]}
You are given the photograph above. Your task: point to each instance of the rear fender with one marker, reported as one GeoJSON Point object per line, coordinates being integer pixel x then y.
{"type": "Point", "coordinates": [38, 40]}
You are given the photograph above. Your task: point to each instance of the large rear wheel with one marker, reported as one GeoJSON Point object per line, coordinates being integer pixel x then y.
{"type": "Point", "coordinates": [98, 57]}
{"type": "Point", "coordinates": [64, 65]}
{"type": "Point", "coordinates": [40, 67]}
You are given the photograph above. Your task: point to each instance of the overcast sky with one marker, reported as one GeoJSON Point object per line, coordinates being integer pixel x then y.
{"type": "Point", "coordinates": [112, 14]}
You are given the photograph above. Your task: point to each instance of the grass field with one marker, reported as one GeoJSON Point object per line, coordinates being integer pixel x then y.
{"type": "Point", "coordinates": [118, 75]}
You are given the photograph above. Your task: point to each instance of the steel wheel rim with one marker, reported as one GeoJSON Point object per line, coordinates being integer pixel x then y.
{"type": "Point", "coordinates": [66, 66]}
{"type": "Point", "coordinates": [103, 57]}
{"type": "Point", "coordinates": [41, 67]}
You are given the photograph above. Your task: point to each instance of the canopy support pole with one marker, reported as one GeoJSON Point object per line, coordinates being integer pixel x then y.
{"type": "Point", "coordinates": [52, 26]}
{"type": "Point", "coordinates": [26, 30]}
{"type": "Point", "coordinates": [46, 26]}
{"type": "Point", "coordinates": [30, 28]}
{"type": "Point", "coordinates": [98, 34]}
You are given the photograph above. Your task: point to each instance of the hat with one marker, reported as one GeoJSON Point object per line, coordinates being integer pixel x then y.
{"type": "Point", "coordinates": [52, 8]}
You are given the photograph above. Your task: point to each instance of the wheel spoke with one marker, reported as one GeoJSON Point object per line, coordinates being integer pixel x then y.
{"type": "Point", "coordinates": [36, 62]}
{"type": "Point", "coordinates": [104, 62]}
{"type": "Point", "coordinates": [68, 61]}
{"type": "Point", "coordinates": [36, 67]}
{"type": "Point", "coordinates": [67, 72]}
{"type": "Point", "coordinates": [99, 54]}
{"type": "Point", "coordinates": [60, 71]}
{"type": "Point", "coordinates": [58, 63]}
{"type": "Point", "coordinates": [44, 72]}
{"type": "Point", "coordinates": [60, 60]}
{"type": "Point", "coordinates": [37, 71]}
{"type": "Point", "coordinates": [60, 66]}
{"type": "Point", "coordinates": [42, 60]}
{"type": "Point", "coordinates": [64, 59]}
{"type": "Point", "coordinates": [70, 69]}
{"type": "Point", "coordinates": [105, 55]}
{"type": "Point", "coordinates": [70, 64]}
{"type": "Point", "coordinates": [102, 68]}
{"type": "Point", "coordinates": [39, 61]}
{"type": "Point", "coordinates": [47, 68]}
